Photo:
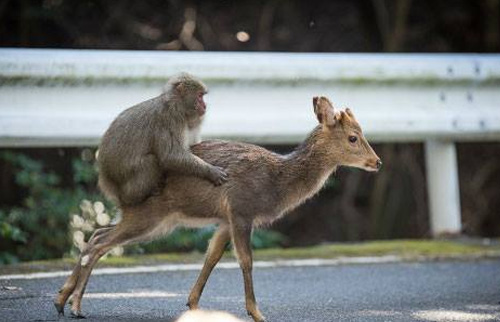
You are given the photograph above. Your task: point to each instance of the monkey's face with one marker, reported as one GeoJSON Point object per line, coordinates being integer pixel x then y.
{"type": "Point", "coordinates": [191, 91]}
{"type": "Point", "coordinates": [199, 104]}
{"type": "Point", "coordinates": [194, 103]}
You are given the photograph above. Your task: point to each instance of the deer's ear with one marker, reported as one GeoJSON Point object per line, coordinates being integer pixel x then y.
{"type": "Point", "coordinates": [349, 112]}
{"type": "Point", "coordinates": [338, 117]}
{"type": "Point", "coordinates": [344, 117]}
{"type": "Point", "coordinates": [323, 109]}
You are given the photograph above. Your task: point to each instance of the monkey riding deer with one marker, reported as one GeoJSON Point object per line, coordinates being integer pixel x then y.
{"type": "Point", "coordinates": [262, 187]}
{"type": "Point", "coordinates": [151, 138]}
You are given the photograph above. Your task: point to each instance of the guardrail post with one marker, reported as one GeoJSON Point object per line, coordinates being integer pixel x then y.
{"type": "Point", "coordinates": [443, 187]}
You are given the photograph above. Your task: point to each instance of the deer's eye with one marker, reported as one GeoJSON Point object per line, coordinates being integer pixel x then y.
{"type": "Point", "coordinates": [353, 139]}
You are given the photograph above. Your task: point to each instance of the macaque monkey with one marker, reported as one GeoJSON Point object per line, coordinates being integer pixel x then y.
{"type": "Point", "coordinates": [149, 140]}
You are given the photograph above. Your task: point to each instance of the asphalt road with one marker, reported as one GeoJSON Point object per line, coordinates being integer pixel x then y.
{"type": "Point", "coordinates": [431, 291]}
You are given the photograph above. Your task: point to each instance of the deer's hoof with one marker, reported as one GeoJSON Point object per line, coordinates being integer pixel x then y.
{"type": "Point", "coordinates": [192, 306]}
{"type": "Point", "coordinates": [77, 315]}
{"type": "Point", "coordinates": [59, 308]}
{"type": "Point", "coordinates": [257, 317]}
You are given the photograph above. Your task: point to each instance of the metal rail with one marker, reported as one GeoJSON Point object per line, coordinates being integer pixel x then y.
{"type": "Point", "coordinates": [69, 97]}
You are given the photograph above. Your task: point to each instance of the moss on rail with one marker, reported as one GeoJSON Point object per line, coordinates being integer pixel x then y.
{"type": "Point", "coordinates": [423, 81]}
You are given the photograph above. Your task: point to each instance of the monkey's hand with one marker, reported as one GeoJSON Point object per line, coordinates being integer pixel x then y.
{"type": "Point", "coordinates": [217, 175]}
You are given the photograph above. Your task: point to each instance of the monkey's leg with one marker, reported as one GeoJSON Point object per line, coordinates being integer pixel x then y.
{"type": "Point", "coordinates": [146, 181]}
{"type": "Point", "coordinates": [241, 235]}
{"type": "Point", "coordinates": [214, 254]}
{"type": "Point", "coordinates": [71, 281]}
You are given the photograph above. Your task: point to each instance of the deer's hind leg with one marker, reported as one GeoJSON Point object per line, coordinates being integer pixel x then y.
{"type": "Point", "coordinates": [126, 232]}
{"type": "Point", "coordinates": [214, 253]}
{"type": "Point", "coordinates": [70, 283]}
{"type": "Point", "coordinates": [107, 241]}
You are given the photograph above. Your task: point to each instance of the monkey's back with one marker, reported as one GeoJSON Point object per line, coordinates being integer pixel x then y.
{"type": "Point", "coordinates": [127, 160]}
{"type": "Point", "coordinates": [127, 139]}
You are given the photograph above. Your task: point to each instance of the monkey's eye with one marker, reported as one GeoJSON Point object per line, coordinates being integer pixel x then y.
{"type": "Point", "coordinates": [352, 138]}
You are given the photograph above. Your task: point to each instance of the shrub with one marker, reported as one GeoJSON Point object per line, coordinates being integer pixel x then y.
{"type": "Point", "coordinates": [39, 228]}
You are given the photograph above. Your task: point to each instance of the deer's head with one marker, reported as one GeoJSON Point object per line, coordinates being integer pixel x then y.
{"type": "Point", "coordinates": [343, 138]}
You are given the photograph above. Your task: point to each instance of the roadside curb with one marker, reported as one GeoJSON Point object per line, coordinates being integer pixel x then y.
{"type": "Point", "coordinates": [257, 264]}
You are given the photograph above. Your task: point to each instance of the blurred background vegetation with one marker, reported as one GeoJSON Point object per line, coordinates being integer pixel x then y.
{"type": "Point", "coordinates": [43, 188]}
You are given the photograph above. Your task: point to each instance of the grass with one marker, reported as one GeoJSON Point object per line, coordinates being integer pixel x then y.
{"type": "Point", "coordinates": [406, 249]}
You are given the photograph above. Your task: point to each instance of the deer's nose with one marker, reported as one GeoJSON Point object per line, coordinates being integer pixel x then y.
{"type": "Point", "coordinates": [379, 164]}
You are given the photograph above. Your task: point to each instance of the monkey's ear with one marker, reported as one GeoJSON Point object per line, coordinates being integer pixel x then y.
{"type": "Point", "coordinates": [323, 109]}
{"type": "Point", "coordinates": [180, 88]}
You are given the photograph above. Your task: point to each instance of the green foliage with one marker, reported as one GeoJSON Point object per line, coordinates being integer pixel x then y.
{"type": "Point", "coordinates": [185, 239]}
{"type": "Point", "coordinates": [267, 239]}
{"type": "Point", "coordinates": [10, 232]}
{"type": "Point", "coordinates": [9, 235]}
{"type": "Point", "coordinates": [39, 229]}
{"type": "Point", "coordinates": [83, 171]}
{"type": "Point", "coordinates": [180, 240]}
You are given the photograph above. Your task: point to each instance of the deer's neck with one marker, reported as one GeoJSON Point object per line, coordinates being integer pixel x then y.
{"type": "Point", "coordinates": [305, 170]}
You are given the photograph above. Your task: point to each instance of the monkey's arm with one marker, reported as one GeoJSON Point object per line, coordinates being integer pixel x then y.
{"type": "Point", "coordinates": [188, 163]}
{"type": "Point", "coordinates": [172, 149]}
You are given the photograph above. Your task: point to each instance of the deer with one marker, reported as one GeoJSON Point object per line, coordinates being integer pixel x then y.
{"type": "Point", "coordinates": [262, 187]}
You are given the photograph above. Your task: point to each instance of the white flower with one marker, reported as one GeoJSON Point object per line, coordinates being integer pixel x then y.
{"type": "Point", "coordinates": [79, 239]}
{"type": "Point", "coordinates": [117, 251]}
{"type": "Point", "coordinates": [85, 205]}
{"type": "Point", "coordinates": [88, 226]}
{"type": "Point", "coordinates": [87, 209]}
{"type": "Point", "coordinates": [85, 260]}
{"type": "Point", "coordinates": [99, 207]}
{"type": "Point", "coordinates": [103, 219]}
{"type": "Point", "coordinates": [77, 221]}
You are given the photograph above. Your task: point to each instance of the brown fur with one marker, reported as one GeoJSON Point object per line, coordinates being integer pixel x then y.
{"type": "Point", "coordinates": [262, 187]}
{"type": "Point", "coordinates": [151, 138]}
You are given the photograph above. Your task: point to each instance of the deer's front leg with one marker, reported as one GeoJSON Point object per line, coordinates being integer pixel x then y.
{"type": "Point", "coordinates": [214, 254]}
{"type": "Point", "coordinates": [241, 235]}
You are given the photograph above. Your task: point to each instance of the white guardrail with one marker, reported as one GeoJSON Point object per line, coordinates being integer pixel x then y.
{"type": "Point", "coordinates": [67, 98]}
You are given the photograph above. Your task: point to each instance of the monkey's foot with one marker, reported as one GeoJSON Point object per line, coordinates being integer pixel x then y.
{"type": "Point", "coordinates": [77, 315]}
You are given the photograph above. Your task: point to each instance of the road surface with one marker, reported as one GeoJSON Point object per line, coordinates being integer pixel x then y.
{"type": "Point", "coordinates": [422, 291]}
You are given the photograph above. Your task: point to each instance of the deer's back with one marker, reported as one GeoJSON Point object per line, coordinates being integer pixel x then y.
{"type": "Point", "coordinates": [252, 171]}
{"type": "Point", "coordinates": [237, 157]}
